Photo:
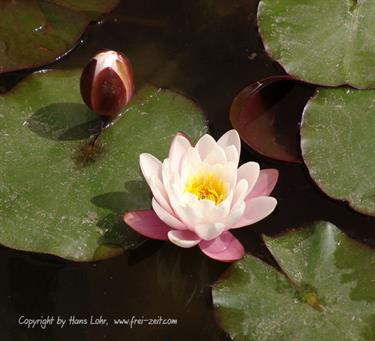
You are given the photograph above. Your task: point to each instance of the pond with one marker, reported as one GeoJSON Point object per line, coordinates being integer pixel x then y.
{"type": "Point", "coordinates": [208, 51]}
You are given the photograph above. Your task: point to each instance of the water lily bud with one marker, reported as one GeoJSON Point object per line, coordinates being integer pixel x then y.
{"type": "Point", "coordinates": [107, 83]}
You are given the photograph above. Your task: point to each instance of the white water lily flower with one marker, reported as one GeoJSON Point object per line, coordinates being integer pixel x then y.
{"type": "Point", "coordinates": [199, 194]}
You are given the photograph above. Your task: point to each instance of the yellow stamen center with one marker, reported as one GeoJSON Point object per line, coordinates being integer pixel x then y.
{"type": "Point", "coordinates": [207, 186]}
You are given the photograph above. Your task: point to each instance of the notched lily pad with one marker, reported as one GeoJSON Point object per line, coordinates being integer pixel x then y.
{"type": "Point", "coordinates": [327, 290]}
{"type": "Point", "coordinates": [337, 142]}
{"type": "Point", "coordinates": [49, 202]}
{"type": "Point", "coordinates": [323, 42]}
{"type": "Point", "coordinates": [34, 33]}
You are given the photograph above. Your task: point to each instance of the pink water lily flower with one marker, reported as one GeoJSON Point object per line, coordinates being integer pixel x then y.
{"type": "Point", "coordinates": [199, 194]}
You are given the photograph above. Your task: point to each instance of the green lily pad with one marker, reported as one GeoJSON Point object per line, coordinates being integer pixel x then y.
{"type": "Point", "coordinates": [92, 8]}
{"type": "Point", "coordinates": [323, 42]}
{"type": "Point", "coordinates": [34, 33]}
{"type": "Point", "coordinates": [337, 141]}
{"type": "Point", "coordinates": [327, 292]}
{"type": "Point", "coordinates": [55, 197]}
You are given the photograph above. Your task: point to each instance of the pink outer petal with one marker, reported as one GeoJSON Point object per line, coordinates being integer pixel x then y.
{"type": "Point", "coordinates": [256, 209]}
{"type": "Point", "coordinates": [184, 239]}
{"type": "Point", "coordinates": [225, 248]}
{"type": "Point", "coordinates": [265, 184]}
{"type": "Point", "coordinates": [147, 223]}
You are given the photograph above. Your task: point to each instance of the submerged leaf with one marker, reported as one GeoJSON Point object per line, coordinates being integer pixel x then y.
{"type": "Point", "coordinates": [57, 195]}
{"type": "Point", "coordinates": [327, 291]}
{"type": "Point", "coordinates": [262, 115]}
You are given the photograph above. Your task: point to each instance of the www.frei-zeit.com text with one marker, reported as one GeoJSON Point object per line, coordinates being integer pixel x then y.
{"type": "Point", "coordinates": [73, 321]}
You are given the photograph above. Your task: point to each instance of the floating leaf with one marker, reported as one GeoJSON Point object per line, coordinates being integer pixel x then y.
{"type": "Point", "coordinates": [337, 140]}
{"type": "Point", "coordinates": [33, 33]}
{"type": "Point", "coordinates": [329, 293]}
{"type": "Point", "coordinates": [261, 114]}
{"type": "Point", "coordinates": [323, 42]}
{"type": "Point", "coordinates": [55, 196]}
{"type": "Point", "coordinates": [92, 8]}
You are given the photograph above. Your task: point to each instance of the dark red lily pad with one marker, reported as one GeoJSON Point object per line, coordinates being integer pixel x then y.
{"type": "Point", "coordinates": [262, 115]}
{"type": "Point", "coordinates": [37, 32]}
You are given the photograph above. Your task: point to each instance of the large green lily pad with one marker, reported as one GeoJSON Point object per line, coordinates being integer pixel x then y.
{"type": "Point", "coordinates": [319, 41]}
{"type": "Point", "coordinates": [37, 32]}
{"type": "Point", "coordinates": [53, 198]}
{"type": "Point", "coordinates": [327, 292]}
{"type": "Point", "coordinates": [337, 140]}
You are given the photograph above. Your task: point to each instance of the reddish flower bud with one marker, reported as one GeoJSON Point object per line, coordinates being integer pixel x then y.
{"type": "Point", "coordinates": [107, 83]}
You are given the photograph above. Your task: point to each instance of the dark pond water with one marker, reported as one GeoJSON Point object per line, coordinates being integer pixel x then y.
{"type": "Point", "coordinates": [208, 50]}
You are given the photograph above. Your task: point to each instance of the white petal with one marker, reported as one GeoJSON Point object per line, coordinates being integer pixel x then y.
{"type": "Point", "coordinates": [231, 154]}
{"type": "Point", "coordinates": [184, 239]}
{"type": "Point", "coordinates": [209, 231]}
{"type": "Point", "coordinates": [205, 144]}
{"type": "Point", "coordinates": [228, 172]}
{"type": "Point", "coordinates": [190, 199]}
{"type": "Point", "coordinates": [250, 172]}
{"type": "Point", "coordinates": [167, 179]}
{"type": "Point", "coordinates": [160, 194]}
{"type": "Point", "coordinates": [187, 214]}
{"type": "Point", "coordinates": [192, 158]}
{"type": "Point", "coordinates": [178, 198]}
{"type": "Point", "coordinates": [191, 163]}
{"type": "Point", "coordinates": [165, 171]}
{"type": "Point", "coordinates": [205, 211]}
{"type": "Point", "coordinates": [179, 146]}
{"type": "Point", "coordinates": [204, 207]}
{"type": "Point", "coordinates": [230, 138]}
{"type": "Point", "coordinates": [235, 215]}
{"type": "Point", "coordinates": [215, 156]}
{"type": "Point", "coordinates": [240, 192]}
{"type": "Point", "coordinates": [209, 212]}
{"type": "Point", "coordinates": [167, 218]}
{"type": "Point", "coordinates": [220, 211]}
{"type": "Point", "coordinates": [150, 166]}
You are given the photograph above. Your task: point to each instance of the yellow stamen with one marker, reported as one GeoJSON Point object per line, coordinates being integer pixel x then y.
{"type": "Point", "coordinates": [207, 186]}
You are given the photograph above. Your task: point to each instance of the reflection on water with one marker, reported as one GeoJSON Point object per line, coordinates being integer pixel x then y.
{"type": "Point", "coordinates": [208, 50]}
